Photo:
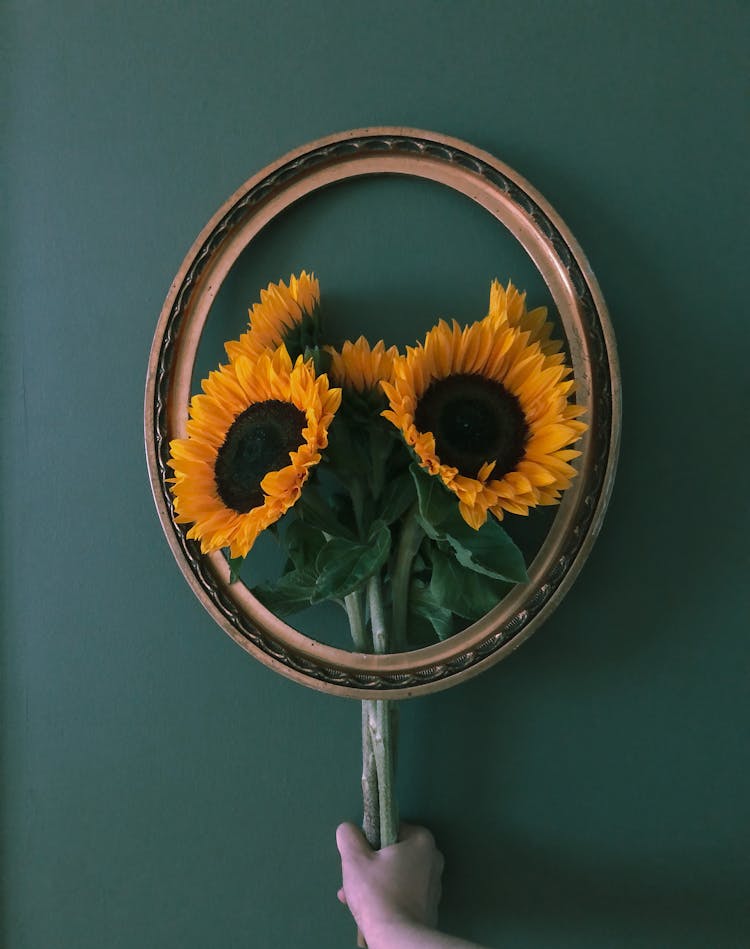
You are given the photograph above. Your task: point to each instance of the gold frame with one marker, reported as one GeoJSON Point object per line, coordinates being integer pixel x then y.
{"type": "Point", "coordinates": [530, 218]}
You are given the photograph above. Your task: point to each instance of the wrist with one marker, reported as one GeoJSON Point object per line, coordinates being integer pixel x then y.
{"type": "Point", "coordinates": [393, 930]}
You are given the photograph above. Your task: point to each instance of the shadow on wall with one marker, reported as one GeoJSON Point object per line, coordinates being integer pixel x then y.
{"type": "Point", "coordinates": [685, 394]}
{"type": "Point", "coordinates": [473, 780]}
{"type": "Point", "coordinates": [523, 882]}
{"type": "Point", "coordinates": [638, 636]}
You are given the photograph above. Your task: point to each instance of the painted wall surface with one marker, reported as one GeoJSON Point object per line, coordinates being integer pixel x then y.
{"type": "Point", "coordinates": [160, 788]}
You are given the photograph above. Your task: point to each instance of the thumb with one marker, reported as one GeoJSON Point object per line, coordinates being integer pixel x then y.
{"type": "Point", "coordinates": [352, 842]}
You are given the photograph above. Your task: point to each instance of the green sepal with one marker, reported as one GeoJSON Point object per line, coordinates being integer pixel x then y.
{"type": "Point", "coordinates": [304, 337]}
{"type": "Point", "coordinates": [235, 565]}
{"type": "Point", "coordinates": [320, 358]}
{"type": "Point", "coordinates": [460, 590]}
{"type": "Point", "coordinates": [362, 407]}
{"type": "Point", "coordinates": [345, 565]}
{"type": "Point", "coordinates": [488, 550]}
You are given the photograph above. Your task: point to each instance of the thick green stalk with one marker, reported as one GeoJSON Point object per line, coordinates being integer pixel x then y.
{"type": "Point", "coordinates": [370, 799]}
{"type": "Point", "coordinates": [371, 810]}
{"type": "Point", "coordinates": [409, 543]}
{"type": "Point", "coordinates": [380, 720]}
{"type": "Point", "coordinates": [377, 615]}
{"type": "Point", "coordinates": [356, 616]}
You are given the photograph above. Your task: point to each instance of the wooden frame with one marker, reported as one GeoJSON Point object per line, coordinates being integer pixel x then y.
{"type": "Point", "coordinates": [505, 195]}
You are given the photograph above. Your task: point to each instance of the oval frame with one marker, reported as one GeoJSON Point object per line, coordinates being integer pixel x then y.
{"type": "Point", "coordinates": [511, 200]}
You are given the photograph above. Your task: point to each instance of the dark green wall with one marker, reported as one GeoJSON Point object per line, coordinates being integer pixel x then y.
{"type": "Point", "coordinates": [159, 788]}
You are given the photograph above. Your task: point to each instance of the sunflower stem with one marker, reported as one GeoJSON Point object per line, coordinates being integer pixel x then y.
{"type": "Point", "coordinates": [353, 604]}
{"type": "Point", "coordinates": [370, 803]}
{"type": "Point", "coordinates": [381, 720]}
{"type": "Point", "coordinates": [377, 615]}
{"type": "Point", "coordinates": [357, 496]}
{"type": "Point", "coordinates": [409, 544]}
{"type": "Point", "coordinates": [355, 613]}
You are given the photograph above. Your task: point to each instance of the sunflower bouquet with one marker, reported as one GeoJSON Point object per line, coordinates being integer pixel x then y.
{"type": "Point", "coordinates": [383, 475]}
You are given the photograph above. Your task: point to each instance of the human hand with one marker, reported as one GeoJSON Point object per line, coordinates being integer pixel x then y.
{"type": "Point", "coordinates": [398, 884]}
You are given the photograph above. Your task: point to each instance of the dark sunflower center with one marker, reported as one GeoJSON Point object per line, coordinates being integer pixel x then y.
{"type": "Point", "coordinates": [257, 442]}
{"type": "Point", "coordinates": [474, 420]}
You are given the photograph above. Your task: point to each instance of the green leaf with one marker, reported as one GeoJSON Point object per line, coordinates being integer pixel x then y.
{"type": "Point", "coordinates": [293, 592]}
{"type": "Point", "coordinates": [343, 508]}
{"type": "Point", "coordinates": [422, 602]}
{"type": "Point", "coordinates": [398, 495]}
{"type": "Point", "coordinates": [435, 502]}
{"type": "Point", "coordinates": [381, 444]}
{"type": "Point", "coordinates": [348, 451]}
{"type": "Point", "coordinates": [344, 565]}
{"type": "Point", "coordinates": [420, 631]}
{"type": "Point", "coordinates": [303, 543]}
{"type": "Point", "coordinates": [462, 590]}
{"type": "Point", "coordinates": [488, 550]}
{"type": "Point", "coordinates": [318, 513]}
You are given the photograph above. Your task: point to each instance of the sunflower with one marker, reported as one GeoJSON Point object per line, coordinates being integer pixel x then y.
{"type": "Point", "coordinates": [253, 436]}
{"type": "Point", "coordinates": [486, 409]}
{"type": "Point", "coordinates": [285, 314]}
{"type": "Point", "coordinates": [509, 304]}
{"type": "Point", "coordinates": [359, 366]}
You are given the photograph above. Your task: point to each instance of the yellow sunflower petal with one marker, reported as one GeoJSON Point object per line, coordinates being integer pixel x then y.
{"type": "Point", "coordinates": [518, 364]}
{"type": "Point", "coordinates": [473, 515]}
{"type": "Point", "coordinates": [507, 304]}
{"type": "Point", "coordinates": [233, 396]}
{"type": "Point", "coordinates": [359, 366]}
{"type": "Point", "coordinates": [280, 311]}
